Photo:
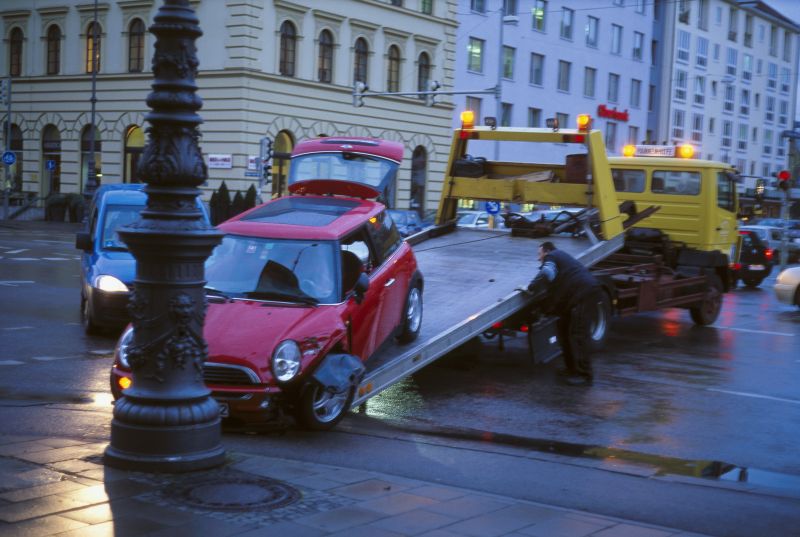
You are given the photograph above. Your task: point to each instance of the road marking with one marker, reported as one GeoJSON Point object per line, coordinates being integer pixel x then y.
{"type": "Point", "coordinates": [24, 258]}
{"type": "Point", "coordinates": [10, 362]}
{"type": "Point", "coordinates": [755, 396]}
{"type": "Point", "coordinates": [18, 251]}
{"type": "Point", "coordinates": [18, 328]}
{"type": "Point", "coordinates": [765, 332]}
{"type": "Point", "coordinates": [50, 358]}
{"type": "Point", "coordinates": [14, 283]}
{"type": "Point", "coordinates": [56, 259]}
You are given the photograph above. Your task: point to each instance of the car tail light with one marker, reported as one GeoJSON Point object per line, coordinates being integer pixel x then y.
{"type": "Point", "coordinates": [736, 266]}
{"type": "Point", "coordinates": [768, 254]}
{"type": "Point", "coordinates": [497, 326]}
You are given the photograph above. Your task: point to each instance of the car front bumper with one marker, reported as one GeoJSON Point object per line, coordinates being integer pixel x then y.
{"type": "Point", "coordinates": [109, 309]}
{"type": "Point", "coordinates": [785, 292]}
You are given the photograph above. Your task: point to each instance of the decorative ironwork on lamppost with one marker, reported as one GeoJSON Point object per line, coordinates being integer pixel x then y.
{"type": "Point", "coordinates": [167, 420]}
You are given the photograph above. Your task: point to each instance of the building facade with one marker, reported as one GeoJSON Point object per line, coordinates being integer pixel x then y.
{"type": "Point", "coordinates": [268, 68]}
{"type": "Point", "coordinates": [725, 79]}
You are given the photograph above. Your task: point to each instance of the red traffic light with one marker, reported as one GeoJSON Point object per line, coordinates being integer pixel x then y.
{"type": "Point", "coordinates": [784, 175]}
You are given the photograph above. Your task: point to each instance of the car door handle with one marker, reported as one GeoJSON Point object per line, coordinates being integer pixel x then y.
{"type": "Point", "coordinates": [389, 283]}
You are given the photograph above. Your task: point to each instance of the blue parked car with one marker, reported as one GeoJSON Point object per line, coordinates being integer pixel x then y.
{"type": "Point", "coordinates": [107, 267]}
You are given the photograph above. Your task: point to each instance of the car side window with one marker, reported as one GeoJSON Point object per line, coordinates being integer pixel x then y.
{"type": "Point", "coordinates": [358, 244]}
{"type": "Point", "coordinates": [482, 221]}
{"type": "Point", "coordinates": [384, 235]}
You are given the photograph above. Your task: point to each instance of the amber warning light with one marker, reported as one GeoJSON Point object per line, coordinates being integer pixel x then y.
{"type": "Point", "coordinates": [584, 122]}
{"type": "Point", "coordinates": [467, 119]}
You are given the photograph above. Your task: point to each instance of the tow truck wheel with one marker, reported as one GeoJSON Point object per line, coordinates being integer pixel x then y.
{"type": "Point", "coordinates": [707, 311]}
{"type": "Point", "coordinates": [412, 315]}
{"type": "Point", "coordinates": [319, 409]}
{"type": "Point", "coordinates": [599, 321]}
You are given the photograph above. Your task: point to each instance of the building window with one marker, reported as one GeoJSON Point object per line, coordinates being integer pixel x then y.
{"type": "Point", "coordinates": [86, 154]}
{"type": "Point", "coordinates": [478, 6]}
{"type": "Point", "coordinates": [537, 69]}
{"type": "Point", "coordinates": [136, 46]}
{"type": "Point", "coordinates": [419, 167]}
{"type": "Point", "coordinates": [534, 117]}
{"type": "Point", "coordinates": [134, 147]}
{"type": "Point", "coordinates": [474, 104]}
{"type": "Point", "coordinates": [613, 87]}
{"type": "Point", "coordinates": [699, 90]}
{"type": "Point", "coordinates": [325, 58]}
{"type": "Point", "coordinates": [508, 62]}
{"type": "Point", "coordinates": [616, 39]}
{"type": "Point", "coordinates": [783, 113]}
{"type": "Point", "coordinates": [773, 41]}
{"type": "Point", "coordinates": [681, 84]}
{"type": "Point", "coordinates": [727, 133]}
{"type": "Point", "coordinates": [711, 125]}
{"type": "Point", "coordinates": [636, 93]}
{"type": "Point", "coordinates": [785, 79]}
{"type": "Point", "coordinates": [611, 136]}
{"type": "Point", "coordinates": [772, 76]}
{"type": "Point", "coordinates": [592, 28]}
{"type": "Point", "coordinates": [423, 73]}
{"type": "Point", "coordinates": [15, 40]}
{"type": "Point", "coordinates": [653, 52]}
{"type": "Point", "coordinates": [288, 49]}
{"type": "Point", "coordinates": [638, 46]}
{"type": "Point", "coordinates": [567, 18]}
{"type": "Point", "coordinates": [539, 12]}
{"type": "Point", "coordinates": [506, 110]}
{"type": "Point", "coordinates": [589, 81]}
{"type": "Point", "coordinates": [733, 60]}
{"type": "Point", "coordinates": [754, 136]}
{"type": "Point", "coordinates": [640, 6]}
{"type": "Point", "coordinates": [475, 55]}
{"type": "Point", "coordinates": [563, 75]}
{"type": "Point", "coordinates": [15, 146]}
{"type": "Point", "coordinates": [53, 50]}
{"type": "Point", "coordinates": [93, 47]}
{"type": "Point", "coordinates": [787, 46]}
{"type": "Point", "coordinates": [697, 127]}
{"type": "Point", "coordinates": [747, 67]}
{"type": "Point", "coordinates": [767, 148]}
{"type": "Point", "coordinates": [730, 95]}
{"type": "Point", "coordinates": [741, 143]}
{"type": "Point", "coordinates": [562, 119]}
{"type": "Point", "coordinates": [748, 31]}
{"type": "Point", "coordinates": [678, 117]}
{"type": "Point", "coordinates": [701, 57]}
{"type": "Point", "coordinates": [769, 109]}
{"type": "Point", "coordinates": [426, 7]}
{"type": "Point", "coordinates": [702, 14]}
{"type": "Point", "coordinates": [651, 98]}
{"type": "Point", "coordinates": [393, 69]}
{"type": "Point", "coordinates": [744, 103]}
{"type": "Point", "coordinates": [509, 7]}
{"type": "Point", "coordinates": [684, 39]}
{"type": "Point", "coordinates": [51, 150]}
{"type": "Point", "coordinates": [716, 52]}
{"type": "Point", "coordinates": [733, 23]}
{"type": "Point", "coordinates": [360, 54]}
{"type": "Point", "coordinates": [633, 134]}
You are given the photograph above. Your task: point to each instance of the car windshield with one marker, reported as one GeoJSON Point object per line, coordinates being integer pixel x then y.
{"type": "Point", "coordinates": [117, 216]}
{"type": "Point", "coordinates": [355, 167]}
{"type": "Point", "coordinates": [283, 270]}
{"type": "Point", "coordinates": [399, 218]}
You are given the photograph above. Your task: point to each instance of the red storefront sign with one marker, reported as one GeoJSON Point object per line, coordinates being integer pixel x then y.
{"type": "Point", "coordinates": [612, 113]}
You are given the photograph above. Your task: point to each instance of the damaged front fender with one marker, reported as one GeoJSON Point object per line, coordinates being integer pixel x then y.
{"type": "Point", "coordinates": [339, 373]}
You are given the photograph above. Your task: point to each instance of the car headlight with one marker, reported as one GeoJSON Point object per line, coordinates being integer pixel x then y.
{"type": "Point", "coordinates": [110, 284]}
{"type": "Point", "coordinates": [122, 347]}
{"type": "Point", "coordinates": [286, 361]}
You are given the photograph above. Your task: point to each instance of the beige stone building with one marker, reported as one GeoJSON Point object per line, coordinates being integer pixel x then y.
{"type": "Point", "coordinates": [268, 68]}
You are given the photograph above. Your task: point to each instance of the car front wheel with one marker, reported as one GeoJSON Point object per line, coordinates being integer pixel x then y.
{"type": "Point", "coordinates": [320, 409]}
{"type": "Point", "coordinates": [412, 315]}
{"type": "Point", "coordinates": [87, 319]}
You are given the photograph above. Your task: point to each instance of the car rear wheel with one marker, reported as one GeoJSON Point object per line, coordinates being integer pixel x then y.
{"type": "Point", "coordinates": [412, 315]}
{"type": "Point", "coordinates": [707, 311]}
{"type": "Point", "coordinates": [320, 409]}
{"type": "Point", "coordinates": [752, 281]}
{"type": "Point", "coordinates": [87, 320]}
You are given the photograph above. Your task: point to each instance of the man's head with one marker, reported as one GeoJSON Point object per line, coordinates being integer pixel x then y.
{"type": "Point", "coordinates": [545, 248]}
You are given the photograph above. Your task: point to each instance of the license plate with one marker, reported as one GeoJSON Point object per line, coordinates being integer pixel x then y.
{"type": "Point", "coordinates": [756, 267]}
{"type": "Point", "coordinates": [224, 411]}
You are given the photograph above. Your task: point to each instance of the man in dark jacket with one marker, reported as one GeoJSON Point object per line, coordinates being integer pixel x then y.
{"type": "Point", "coordinates": [572, 294]}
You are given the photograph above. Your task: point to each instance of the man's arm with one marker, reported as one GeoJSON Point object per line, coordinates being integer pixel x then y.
{"type": "Point", "coordinates": [547, 273]}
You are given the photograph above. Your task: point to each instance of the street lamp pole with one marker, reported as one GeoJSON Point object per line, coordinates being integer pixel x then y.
{"type": "Point", "coordinates": [167, 421]}
{"type": "Point", "coordinates": [91, 176]}
{"type": "Point", "coordinates": [498, 94]}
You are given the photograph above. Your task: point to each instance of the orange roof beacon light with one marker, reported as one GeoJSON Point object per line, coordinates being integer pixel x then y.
{"type": "Point", "coordinates": [584, 122]}
{"type": "Point", "coordinates": [628, 150]}
{"type": "Point", "coordinates": [467, 119]}
{"type": "Point", "coordinates": [686, 151]}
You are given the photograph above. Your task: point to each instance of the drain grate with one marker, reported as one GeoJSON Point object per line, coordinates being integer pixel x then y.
{"type": "Point", "coordinates": [238, 494]}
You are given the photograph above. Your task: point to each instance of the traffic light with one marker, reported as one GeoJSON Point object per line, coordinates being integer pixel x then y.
{"type": "Point", "coordinates": [358, 94]}
{"type": "Point", "coordinates": [784, 177]}
{"type": "Point", "coordinates": [430, 98]}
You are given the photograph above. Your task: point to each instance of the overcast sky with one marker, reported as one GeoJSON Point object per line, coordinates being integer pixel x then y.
{"type": "Point", "coordinates": [788, 8]}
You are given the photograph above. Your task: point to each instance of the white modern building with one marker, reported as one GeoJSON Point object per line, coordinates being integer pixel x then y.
{"type": "Point", "coordinates": [725, 78]}
{"type": "Point", "coordinates": [559, 58]}
{"type": "Point", "coordinates": [268, 68]}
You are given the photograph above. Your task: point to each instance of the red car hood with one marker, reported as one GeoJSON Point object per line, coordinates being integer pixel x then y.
{"type": "Point", "coordinates": [246, 333]}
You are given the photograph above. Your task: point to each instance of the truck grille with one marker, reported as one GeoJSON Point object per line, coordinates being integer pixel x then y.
{"type": "Point", "coordinates": [228, 375]}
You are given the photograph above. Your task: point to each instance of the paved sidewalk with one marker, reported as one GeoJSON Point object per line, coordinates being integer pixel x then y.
{"type": "Point", "coordinates": [58, 486]}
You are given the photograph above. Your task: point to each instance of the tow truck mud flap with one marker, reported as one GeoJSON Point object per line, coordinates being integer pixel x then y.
{"type": "Point", "coordinates": [543, 340]}
{"type": "Point", "coordinates": [339, 372]}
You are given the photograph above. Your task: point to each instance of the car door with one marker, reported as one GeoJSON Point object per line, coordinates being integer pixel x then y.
{"type": "Point", "coordinates": [363, 317]}
{"type": "Point", "coordinates": [392, 275]}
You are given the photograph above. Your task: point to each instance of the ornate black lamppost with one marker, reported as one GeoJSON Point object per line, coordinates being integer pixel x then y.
{"type": "Point", "coordinates": [91, 169]}
{"type": "Point", "coordinates": [167, 420]}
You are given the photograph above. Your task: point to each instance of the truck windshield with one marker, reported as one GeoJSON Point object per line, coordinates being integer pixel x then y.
{"type": "Point", "coordinates": [355, 167]}
{"type": "Point", "coordinates": [283, 270]}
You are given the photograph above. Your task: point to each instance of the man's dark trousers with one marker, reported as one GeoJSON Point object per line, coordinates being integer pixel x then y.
{"type": "Point", "coordinates": [574, 336]}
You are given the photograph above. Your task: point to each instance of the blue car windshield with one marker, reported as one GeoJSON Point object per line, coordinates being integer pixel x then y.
{"type": "Point", "coordinates": [283, 270]}
{"type": "Point", "coordinates": [117, 216]}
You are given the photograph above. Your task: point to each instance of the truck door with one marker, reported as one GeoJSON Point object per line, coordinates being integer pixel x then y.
{"type": "Point", "coordinates": [724, 230]}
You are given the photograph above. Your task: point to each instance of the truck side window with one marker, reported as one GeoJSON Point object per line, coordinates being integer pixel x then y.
{"type": "Point", "coordinates": [726, 193]}
{"type": "Point", "coordinates": [628, 180]}
{"type": "Point", "coordinates": [679, 183]}
{"type": "Point", "coordinates": [384, 235]}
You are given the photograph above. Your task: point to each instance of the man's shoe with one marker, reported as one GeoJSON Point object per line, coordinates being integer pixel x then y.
{"type": "Point", "coordinates": [576, 380]}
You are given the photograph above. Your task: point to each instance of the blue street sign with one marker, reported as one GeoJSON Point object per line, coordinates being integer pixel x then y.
{"type": "Point", "coordinates": [9, 158]}
{"type": "Point", "coordinates": [50, 165]}
{"type": "Point", "coordinates": [492, 207]}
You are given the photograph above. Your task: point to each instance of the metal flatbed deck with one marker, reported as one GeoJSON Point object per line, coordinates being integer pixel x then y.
{"type": "Point", "coordinates": [471, 282]}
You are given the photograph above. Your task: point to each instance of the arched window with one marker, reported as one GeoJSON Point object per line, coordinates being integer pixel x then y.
{"type": "Point", "coordinates": [134, 146]}
{"type": "Point", "coordinates": [288, 48]}
{"type": "Point", "coordinates": [15, 145]}
{"type": "Point", "coordinates": [51, 150]}
{"type": "Point", "coordinates": [15, 39]}
{"type": "Point", "coordinates": [423, 73]}
{"type": "Point", "coordinates": [282, 150]}
{"type": "Point", "coordinates": [393, 72]}
{"type": "Point", "coordinates": [86, 154]}
{"type": "Point", "coordinates": [325, 60]}
{"type": "Point", "coordinates": [419, 167]}
{"type": "Point", "coordinates": [53, 50]}
{"type": "Point", "coordinates": [136, 46]}
{"type": "Point", "coordinates": [93, 38]}
{"type": "Point", "coordinates": [361, 53]}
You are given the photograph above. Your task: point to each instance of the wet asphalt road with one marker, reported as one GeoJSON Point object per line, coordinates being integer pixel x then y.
{"type": "Point", "coordinates": [670, 400]}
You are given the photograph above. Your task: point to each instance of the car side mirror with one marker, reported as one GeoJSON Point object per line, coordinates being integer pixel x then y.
{"type": "Point", "coordinates": [361, 286]}
{"type": "Point", "coordinates": [83, 241]}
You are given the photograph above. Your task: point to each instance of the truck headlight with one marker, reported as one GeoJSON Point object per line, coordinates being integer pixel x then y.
{"type": "Point", "coordinates": [110, 284]}
{"type": "Point", "coordinates": [123, 345]}
{"type": "Point", "coordinates": [286, 361]}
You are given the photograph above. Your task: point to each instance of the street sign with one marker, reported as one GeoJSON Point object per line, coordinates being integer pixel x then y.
{"type": "Point", "coordinates": [9, 158]}
{"type": "Point", "coordinates": [50, 165]}
{"type": "Point", "coordinates": [493, 207]}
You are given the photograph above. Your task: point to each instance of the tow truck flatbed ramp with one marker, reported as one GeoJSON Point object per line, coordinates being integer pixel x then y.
{"type": "Point", "coordinates": [471, 282]}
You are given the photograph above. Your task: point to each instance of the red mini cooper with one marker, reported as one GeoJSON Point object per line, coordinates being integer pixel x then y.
{"type": "Point", "coordinates": [302, 291]}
